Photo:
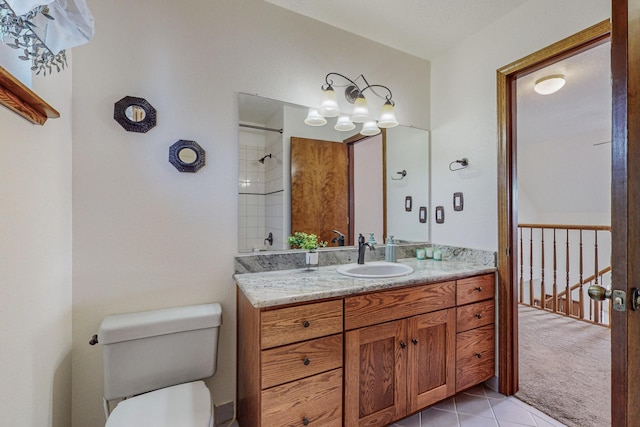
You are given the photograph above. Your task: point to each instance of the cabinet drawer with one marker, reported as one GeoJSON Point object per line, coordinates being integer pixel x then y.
{"type": "Point", "coordinates": [379, 307]}
{"type": "Point", "coordinates": [294, 361]}
{"type": "Point", "coordinates": [317, 399]}
{"type": "Point", "coordinates": [475, 315]}
{"type": "Point", "coordinates": [288, 325]}
{"type": "Point", "coordinates": [473, 289]}
{"type": "Point", "coordinates": [475, 356]}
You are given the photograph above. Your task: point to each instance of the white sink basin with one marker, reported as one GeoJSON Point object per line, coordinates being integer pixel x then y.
{"type": "Point", "coordinates": [375, 270]}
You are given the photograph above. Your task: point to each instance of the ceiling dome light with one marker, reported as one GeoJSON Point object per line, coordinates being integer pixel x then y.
{"type": "Point", "coordinates": [314, 118]}
{"type": "Point", "coordinates": [549, 84]}
{"type": "Point", "coordinates": [329, 106]}
{"type": "Point", "coordinates": [370, 128]}
{"type": "Point", "coordinates": [388, 116]}
{"type": "Point", "coordinates": [344, 124]}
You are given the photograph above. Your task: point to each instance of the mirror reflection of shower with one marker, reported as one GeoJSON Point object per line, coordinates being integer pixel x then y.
{"type": "Point", "coordinates": [268, 156]}
{"type": "Point", "coordinates": [260, 184]}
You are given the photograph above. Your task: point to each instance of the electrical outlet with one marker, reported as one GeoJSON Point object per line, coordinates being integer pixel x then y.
{"type": "Point", "coordinates": [224, 412]}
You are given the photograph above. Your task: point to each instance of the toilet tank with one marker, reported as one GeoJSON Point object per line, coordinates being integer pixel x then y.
{"type": "Point", "coordinates": [159, 348]}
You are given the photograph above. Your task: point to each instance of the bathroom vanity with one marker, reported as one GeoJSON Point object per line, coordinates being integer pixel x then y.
{"type": "Point", "coordinates": [318, 348]}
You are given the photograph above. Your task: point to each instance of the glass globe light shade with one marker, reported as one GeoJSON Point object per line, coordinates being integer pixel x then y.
{"type": "Point", "coordinates": [329, 106]}
{"type": "Point", "coordinates": [549, 84]}
{"type": "Point", "coordinates": [344, 124]}
{"type": "Point", "coordinates": [360, 110]}
{"type": "Point", "coordinates": [388, 116]}
{"type": "Point", "coordinates": [314, 118]}
{"type": "Point", "coordinates": [370, 128]}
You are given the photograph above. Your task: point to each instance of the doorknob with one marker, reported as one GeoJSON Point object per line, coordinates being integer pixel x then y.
{"type": "Point", "coordinates": [598, 293]}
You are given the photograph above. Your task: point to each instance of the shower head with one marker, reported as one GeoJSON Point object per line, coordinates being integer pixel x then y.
{"type": "Point", "coordinates": [262, 159]}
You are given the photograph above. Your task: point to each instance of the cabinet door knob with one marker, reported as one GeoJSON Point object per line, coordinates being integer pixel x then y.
{"type": "Point", "coordinates": [306, 323]}
{"type": "Point", "coordinates": [305, 421]}
{"type": "Point", "coordinates": [306, 361]}
{"type": "Point", "coordinates": [414, 341]}
{"type": "Point", "coordinates": [479, 289]}
{"type": "Point", "coordinates": [403, 344]}
{"type": "Point", "coordinates": [479, 316]}
{"type": "Point", "coordinates": [478, 355]}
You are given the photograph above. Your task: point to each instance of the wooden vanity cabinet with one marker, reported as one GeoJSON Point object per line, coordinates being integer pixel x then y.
{"type": "Point", "coordinates": [475, 339]}
{"type": "Point", "coordinates": [398, 367]}
{"type": "Point", "coordinates": [404, 349]}
{"type": "Point", "coordinates": [290, 365]}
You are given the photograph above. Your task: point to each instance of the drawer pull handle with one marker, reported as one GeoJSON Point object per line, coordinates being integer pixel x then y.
{"type": "Point", "coordinates": [306, 361]}
{"type": "Point", "coordinates": [305, 421]}
{"type": "Point", "coordinates": [479, 316]}
{"type": "Point", "coordinates": [478, 355]}
{"type": "Point", "coordinates": [403, 344]}
{"type": "Point", "coordinates": [479, 289]}
{"type": "Point", "coordinates": [306, 324]}
{"type": "Point", "coordinates": [414, 341]}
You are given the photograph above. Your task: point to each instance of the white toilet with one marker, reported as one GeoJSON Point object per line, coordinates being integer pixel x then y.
{"type": "Point", "coordinates": [156, 359]}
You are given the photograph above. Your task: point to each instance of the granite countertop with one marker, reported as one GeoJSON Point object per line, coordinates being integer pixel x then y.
{"type": "Point", "coordinates": [273, 288]}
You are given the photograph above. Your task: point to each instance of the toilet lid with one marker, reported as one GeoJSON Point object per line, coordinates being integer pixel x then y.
{"type": "Point", "coordinates": [184, 405]}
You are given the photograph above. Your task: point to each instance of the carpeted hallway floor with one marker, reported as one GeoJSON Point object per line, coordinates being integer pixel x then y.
{"type": "Point", "coordinates": [557, 360]}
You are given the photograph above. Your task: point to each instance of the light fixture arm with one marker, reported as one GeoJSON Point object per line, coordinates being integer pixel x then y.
{"type": "Point", "coordinates": [329, 84]}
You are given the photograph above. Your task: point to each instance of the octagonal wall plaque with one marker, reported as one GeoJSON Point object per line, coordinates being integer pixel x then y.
{"type": "Point", "coordinates": [187, 156]}
{"type": "Point", "coordinates": [134, 114]}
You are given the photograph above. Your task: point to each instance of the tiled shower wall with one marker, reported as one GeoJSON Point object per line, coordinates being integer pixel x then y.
{"type": "Point", "coordinates": [260, 209]}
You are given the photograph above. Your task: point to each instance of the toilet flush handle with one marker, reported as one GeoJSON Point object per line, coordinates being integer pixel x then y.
{"type": "Point", "coordinates": [94, 340]}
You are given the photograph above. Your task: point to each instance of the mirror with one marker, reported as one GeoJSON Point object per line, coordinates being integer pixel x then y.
{"type": "Point", "coordinates": [134, 114]}
{"type": "Point", "coordinates": [187, 156]}
{"type": "Point", "coordinates": [386, 168]}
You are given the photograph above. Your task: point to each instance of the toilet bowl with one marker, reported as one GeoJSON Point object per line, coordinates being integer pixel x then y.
{"type": "Point", "coordinates": [155, 361]}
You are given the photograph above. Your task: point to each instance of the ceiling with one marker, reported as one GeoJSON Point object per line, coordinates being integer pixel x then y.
{"type": "Point", "coordinates": [423, 28]}
{"type": "Point", "coordinates": [426, 28]}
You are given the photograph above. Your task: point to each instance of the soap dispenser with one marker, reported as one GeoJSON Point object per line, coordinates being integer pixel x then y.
{"type": "Point", "coordinates": [390, 254]}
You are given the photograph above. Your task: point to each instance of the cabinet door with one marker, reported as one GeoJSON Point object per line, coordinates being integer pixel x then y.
{"type": "Point", "coordinates": [431, 372]}
{"type": "Point", "coordinates": [375, 374]}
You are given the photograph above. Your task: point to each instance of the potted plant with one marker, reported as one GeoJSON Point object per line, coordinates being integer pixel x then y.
{"type": "Point", "coordinates": [309, 242]}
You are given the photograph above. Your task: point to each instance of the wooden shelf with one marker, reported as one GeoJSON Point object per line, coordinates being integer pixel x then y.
{"type": "Point", "coordinates": [23, 101]}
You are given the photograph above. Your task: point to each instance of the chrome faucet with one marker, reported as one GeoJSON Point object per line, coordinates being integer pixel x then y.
{"type": "Point", "coordinates": [362, 248]}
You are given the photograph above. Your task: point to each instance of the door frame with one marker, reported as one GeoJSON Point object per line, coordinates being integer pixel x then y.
{"type": "Point", "coordinates": [507, 190]}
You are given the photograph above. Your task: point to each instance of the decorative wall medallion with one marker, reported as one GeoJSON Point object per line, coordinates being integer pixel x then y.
{"type": "Point", "coordinates": [134, 114]}
{"type": "Point", "coordinates": [187, 156]}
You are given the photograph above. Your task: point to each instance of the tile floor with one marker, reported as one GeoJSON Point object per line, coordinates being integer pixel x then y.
{"type": "Point", "coordinates": [479, 407]}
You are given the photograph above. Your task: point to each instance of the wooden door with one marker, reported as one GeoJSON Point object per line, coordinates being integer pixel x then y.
{"type": "Point", "coordinates": [375, 374]}
{"type": "Point", "coordinates": [431, 371]}
{"type": "Point", "coordinates": [625, 211]}
{"type": "Point", "coordinates": [319, 188]}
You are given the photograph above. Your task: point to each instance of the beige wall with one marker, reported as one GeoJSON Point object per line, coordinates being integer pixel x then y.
{"type": "Point", "coordinates": [35, 262]}
{"type": "Point", "coordinates": [464, 118]}
{"type": "Point", "coordinates": [145, 235]}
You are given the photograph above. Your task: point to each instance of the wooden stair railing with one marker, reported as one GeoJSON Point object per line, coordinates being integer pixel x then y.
{"type": "Point", "coordinates": [558, 297]}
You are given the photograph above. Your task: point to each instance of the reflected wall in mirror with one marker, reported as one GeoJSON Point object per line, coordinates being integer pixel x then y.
{"type": "Point", "coordinates": [267, 171]}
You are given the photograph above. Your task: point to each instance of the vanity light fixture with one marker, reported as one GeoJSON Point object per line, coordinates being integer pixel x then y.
{"type": "Point", "coordinates": [549, 84]}
{"type": "Point", "coordinates": [354, 94]}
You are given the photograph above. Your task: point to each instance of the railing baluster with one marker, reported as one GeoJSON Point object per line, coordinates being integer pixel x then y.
{"type": "Point", "coordinates": [531, 297]}
{"type": "Point", "coordinates": [567, 296]}
{"type": "Point", "coordinates": [554, 305]}
{"type": "Point", "coordinates": [597, 304]}
{"type": "Point", "coordinates": [543, 293]}
{"type": "Point", "coordinates": [581, 295]}
{"type": "Point", "coordinates": [521, 269]}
